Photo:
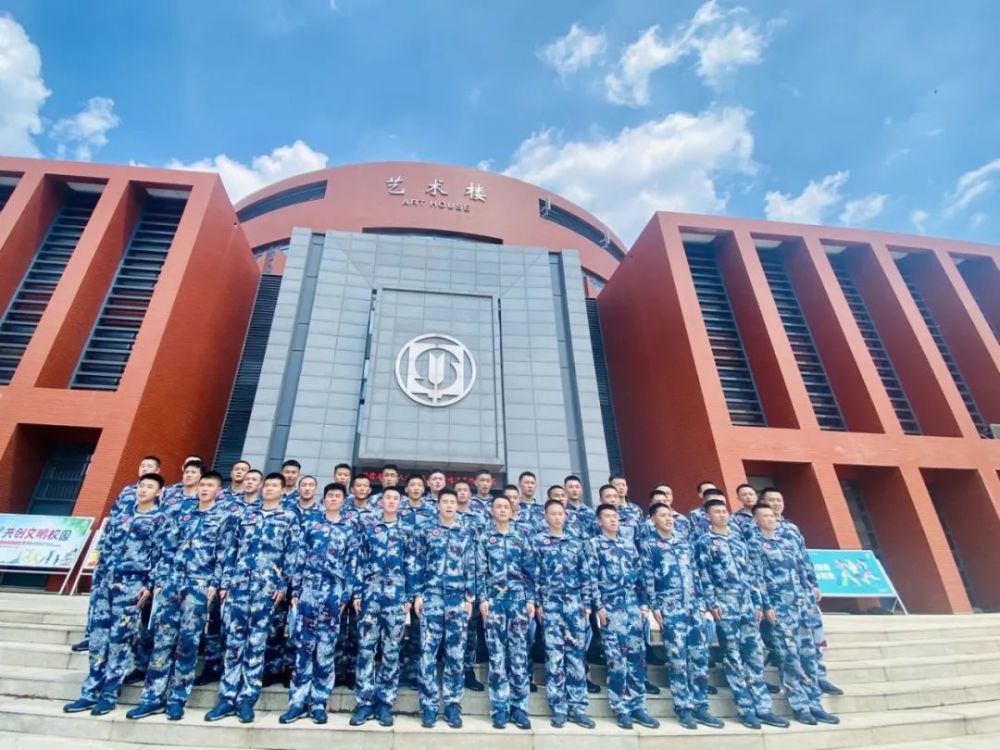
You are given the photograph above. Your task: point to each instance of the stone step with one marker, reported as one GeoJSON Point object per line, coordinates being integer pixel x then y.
{"type": "Point", "coordinates": [989, 741]}
{"type": "Point", "coordinates": [45, 718]}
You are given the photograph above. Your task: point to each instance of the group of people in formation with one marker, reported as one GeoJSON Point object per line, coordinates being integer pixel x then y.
{"type": "Point", "coordinates": [269, 576]}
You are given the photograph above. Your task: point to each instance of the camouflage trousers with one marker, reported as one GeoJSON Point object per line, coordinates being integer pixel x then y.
{"type": "Point", "coordinates": [443, 620]}
{"type": "Point", "coordinates": [178, 621]}
{"type": "Point", "coordinates": [214, 649]}
{"type": "Point", "coordinates": [380, 628]}
{"type": "Point", "coordinates": [625, 654]}
{"type": "Point", "coordinates": [743, 661]}
{"type": "Point", "coordinates": [347, 645]}
{"type": "Point", "coordinates": [507, 644]}
{"type": "Point", "coordinates": [798, 659]}
{"type": "Point", "coordinates": [114, 626]}
{"type": "Point", "coordinates": [687, 658]}
{"type": "Point", "coordinates": [316, 634]}
{"type": "Point", "coordinates": [247, 620]}
{"type": "Point", "coordinates": [564, 627]}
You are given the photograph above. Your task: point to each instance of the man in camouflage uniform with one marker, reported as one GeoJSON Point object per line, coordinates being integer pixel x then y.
{"type": "Point", "coordinates": [731, 588]}
{"type": "Point", "coordinates": [476, 519]}
{"type": "Point", "coordinates": [382, 600]}
{"type": "Point", "coordinates": [414, 514]}
{"type": "Point", "coordinates": [192, 579]}
{"type": "Point", "coordinates": [258, 574]}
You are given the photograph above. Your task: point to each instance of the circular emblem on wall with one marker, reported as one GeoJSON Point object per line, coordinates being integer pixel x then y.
{"type": "Point", "coordinates": [435, 370]}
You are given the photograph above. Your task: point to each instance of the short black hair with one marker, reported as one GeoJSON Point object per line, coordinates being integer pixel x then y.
{"type": "Point", "coordinates": [390, 467]}
{"type": "Point", "coordinates": [212, 474]}
{"type": "Point", "coordinates": [501, 497]}
{"type": "Point", "coordinates": [152, 458]}
{"type": "Point", "coordinates": [613, 477]}
{"type": "Point", "coordinates": [552, 502]}
{"type": "Point", "coordinates": [331, 486]}
{"type": "Point", "coordinates": [257, 471]}
{"type": "Point", "coordinates": [713, 492]}
{"type": "Point", "coordinates": [487, 472]}
{"type": "Point", "coordinates": [655, 507]}
{"type": "Point", "coordinates": [304, 477]}
{"type": "Point", "coordinates": [745, 484]}
{"type": "Point", "coordinates": [275, 475]}
{"type": "Point", "coordinates": [393, 488]}
{"type": "Point", "coordinates": [338, 467]}
{"type": "Point", "coordinates": [195, 462]}
{"type": "Point", "coordinates": [548, 492]}
{"type": "Point", "coordinates": [291, 462]}
{"type": "Point", "coordinates": [356, 477]}
{"type": "Point", "coordinates": [604, 507]}
{"type": "Point", "coordinates": [572, 478]}
{"type": "Point", "coordinates": [241, 461]}
{"type": "Point", "coordinates": [766, 490]}
{"type": "Point", "coordinates": [432, 472]}
{"type": "Point", "coordinates": [702, 482]}
{"type": "Point", "coordinates": [511, 487]}
{"type": "Point", "coordinates": [761, 506]}
{"type": "Point", "coordinates": [605, 488]}
{"type": "Point", "coordinates": [154, 477]}
{"type": "Point", "coordinates": [524, 474]}
{"type": "Point", "coordinates": [466, 482]}
{"type": "Point", "coordinates": [654, 493]}
{"type": "Point", "coordinates": [417, 477]}
{"type": "Point", "coordinates": [713, 502]}
{"type": "Point", "coordinates": [447, 491]}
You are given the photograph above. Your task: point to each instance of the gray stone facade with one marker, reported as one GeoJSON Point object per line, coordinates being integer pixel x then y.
{"type": "Point", "coordinates": [349, 303]}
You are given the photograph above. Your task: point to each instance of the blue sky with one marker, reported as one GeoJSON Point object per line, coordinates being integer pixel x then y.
{"type": "Point", "coordinates": [833, 111]}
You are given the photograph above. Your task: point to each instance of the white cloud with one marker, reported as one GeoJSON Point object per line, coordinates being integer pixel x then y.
{"type": "Point", "coordinates": [721, 40]}
{"type": "Point", "coordinates": [576, 50]}
{"type": "Point", "coordinates": [978, 219]}
{"type": "Point", "coordinates": [809, 206]}
{"type": "Point", "coordinates": [672, 163]}
{"type": "Point", "coordinates": [241, 179]}
{"type": "Point", "coordinates": [85, 132]}
{"type": "Point", "coordinates": [918, 218]}
{"type": "Point", "coordinates": [862, 210]}
{"type": "Point", "coordinates": [485, 165]}
{"type": "Point", "coordinates": [22, 90]}
{"type": "Point", "coordinates": [970, 186]}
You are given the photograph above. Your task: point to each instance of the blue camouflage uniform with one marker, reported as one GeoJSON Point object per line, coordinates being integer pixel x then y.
{"type": "Point", "coordinates": [505, 579]}
{"type": "Point", "coordinates": [413, 519]}
{"type": "Point", "coordinates": [476, 521]}
{"type": "Point", "coordinates": [729, 583]}
{"type": "Point", "coordinates": [130, 558]}
{"type": "Point", "coordinates": [202, 540]}
{"type": "Point", "coordinates": [786, 528]}
{"type": "Point", "coordinates": [621, 592]}
{"type": "Point", "coordinates": [323, 587]}
{"type": "Point", "coordinates": [565, 589]}
{"type": "Point", "coordinates": [671, 573]}
{"type": "Point", "coordinates": [173, 499]}
{"type": "Point", "coordinates": [581, 521]}
{"type": "Point", "coordinates": [348, 640]}
{"type": "Point", "coordinates": [446, 580]}
{"type": "Point", "coordinates": [742, 522]}
{"type": "Point", "coordinates": [384, 585]}
{"type": "Point", "coordinates": [261, 564]}
{"type": "Point", "coordinates": [212, 641]}
{"type": "Point", "coordinates": [699, 522]}
{"type": "Point", "coordinates": [630, 521]}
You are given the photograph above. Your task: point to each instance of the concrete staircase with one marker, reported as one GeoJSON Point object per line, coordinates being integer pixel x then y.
{"type": "Point", "coordinates": [910, 682]}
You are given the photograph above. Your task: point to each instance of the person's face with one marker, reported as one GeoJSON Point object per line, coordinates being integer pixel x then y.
{"type": "Point", "coordinates": [484, 483]}
{"type": "Point", "coordinates": [146, 491]}
{"type": "Point", "coordinates": [208, 489]}
{"type": "Point", "coordinates": [765, 518]}
{"type": "Point", "coordinates": [238, 472]}
{"type": "Point", "coordinates": [658, 497]}
{"type": "Point", "coordinates": [748, 497]}
{"type": "Point", "coordinates": [436, 482]}
{"type": "Point", "coordinates": [307, 488]}
{"type": "Point", "coordinates": [390, 501]}
{"type": "Point", "coordinates": [777, 502]}
{"type": "Point", "coordinates": [464, 493]}
{"type": "Point", "coordinates": [447, 506]}
{"type": "Point", "coordinates": [559, 493]}
{"type": "Point", "coordinates": [415, 488]}
{"type": "Point", "coordinates": [342, 476]}
{"type": "Point", "coordinates": [191, 476]}
{"type": "Point", "coordinates": [611, 496]}
{"type": "Point", "coordinates": [555, 517]}
{"type": "Point", "coordinates": [574, 490]}
{"type": "Point", "coordinates": [148, 466]}
{"type": "Point", "coordinates": [390, 478]}
{"type": "Point", "coordinates": [251, 483]}
{"type": "Point", "coordinates": [272, 489]}
{"type": "Point", "coordinates": [515, 501]}
{"type": "Point", "coordinates": [668, 495]}
{"type": "Point", "coordinates": [609, 522]}
{"type": "Point", "coordinates": [501, 510]}
{"type": "Point", "coordinates": [528, 487]}
{"type": "Point", "coordinates": [291, 475]}
{"type": "Point", "coordinates": [333, 501]}
{"type": "Point", "coordinates": [704, 486]}
{"type": "Point", "coordinates": [361, 488]}
{"type": "Point", "coordinates": [622, 486]}
{"type": "Point", "coordinates": [190, 458]}
{"type": "Point", "coordinates": [718, 515]}
{"type": "Point", "coordinates": [663, 520]}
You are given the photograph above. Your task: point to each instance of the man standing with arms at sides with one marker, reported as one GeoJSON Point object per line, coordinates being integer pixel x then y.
{"type": "Point", "coordinates": [342, 474]}
{"type": "Point", "coordinates": [580, 518]}
{"type": "Point", "coordinates": [291, 470]}
{"type": "Point", "coordinates": [682, 526]}
{"type": "Point", "coordinates": [630, 515]}
{"type": "Point", "coordinates": [321, 589]}
{"type": "Point", "coordinates": [178, 497]}
{"type": "Point", "coordinates": [260, 570]}
{"type": "Point", "coordinates": [382, 600]}
{"type": "Point", "coordinates": [307, 507]}
{"type": "Point", "coordinates": [252, 481]}
{"type": "Point", "coordinates": [360, 513]}
{"type": "Point", "coordinates": [566, 593]}
{"type": "Point", "coordinates": [483, 498]}
{"type": "Point", "coordinates": [237, 474]}
{"type": "Point", "coordinates": [785, 594]}
{"type": "Point", "coordinates": [445, 590]}
{"type": "Point", "coordinates": [360, 509]}
{"type": "Point", "coordinates": [678, 609]}
{"type": "Point", "coordinates": [436, 481]}
{"type": "Point", "coordinates": [532, 511]}
{"type": "Point", "coordinates": [622, 605]}
{"type": "Point", "coordinates": [192, 579]}
{"type": "Point", "coordinates": [506, 593]}
{"type": "Point", "coordinates": [175, 488]}
{"type": "Point", "coordinates": [472, 518]}
{"type": "Point", "coordinates": [697, 516]}
{"type": "Point", "coordinates": [742, 519]}
{"type": "Point", "coordinates": [730, 585]}
{"type": "Point", "coordinates": [388, 478]}
{"type": "Point", "coordinates": [785, 528]}
{"type": "Point", "coordinates": [130, 554]}
{"type": "Point", "coordinates": [416, 514]}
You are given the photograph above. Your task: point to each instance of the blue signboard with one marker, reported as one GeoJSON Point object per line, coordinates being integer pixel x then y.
{"type": "Point", "coordinates": [851, 573]}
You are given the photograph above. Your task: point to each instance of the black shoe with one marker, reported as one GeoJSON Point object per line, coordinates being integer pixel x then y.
{"type": "Point", "coordinates": [582, 720]}
{"type": "Point", "coordinates": [78, 706]}
{"type": "Point", "coordinates": [825, 718]}
{"type": "Point", "coordinates": [520, 719]}
{"type": "Point", "coordinates": [294, 713]}
{"type": "Point", "coordinates": [134, 677]}
{"type": "Point", "coordinates": [207, 677]}
{"type": "Point", "coordinates": [558, 721]}
{"type": "Point", "coordinates": [318, 715]}
{"type": "Point", "coordinates": [624, 720]}
{"type": "Point", "coordinates": [711, 690]}
{"type": "Point", "coordinates": [246, 714]}
{"type": "Point", "coordinates": [642, 717]}
{"type": "Point", "coordinates": [221, 711]}
{"type": "Point", "coordinates": [410, 684]}
{"type": "Point", "coordinates": [175, 711]}
{"type": "Point", "coordinates": [706, 717]}
{"type": "Point", "coordinates": [773, 689]}
{"type": "Point", "coordinates": [749, 720]}
{"type": "Point", "coordinates": [593, 687]}
{"type": "Point", "coordinates": [773, 720]}
{"type": "Point", "coordinates": [274, 678]}
{"type": "Point", "coordinates": [361, 715]}
{"type": "Point", "coordinates": [453, 715]}
{"type": "Point", "coordinates": [144, 709]}
{"type": "Point", "coordinates": [471, 683]}
{"type": "Point", "coordinates": [804, 717]}
{"type": "Point", "coordinates": [651, 689]}
{"type": "Point", "coordinates": [829, 688]}
{"type": "Point", "coordinates": [103, 706]}
{"type": "Point", "coordinates": [532, 687]}
{"type": "Point", "coordinates": [383, 714]}
{"type": "Point", "coordinates": [686, 720]}
{"type": "Point", "coordinates": [499, 720]}
{"type": "Point", "coordinates": [428, 718]}
{"type": "Point", "coordinates": [346, 681]}
{"type": "Point", "coordinates": [79, 646]}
